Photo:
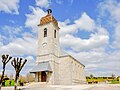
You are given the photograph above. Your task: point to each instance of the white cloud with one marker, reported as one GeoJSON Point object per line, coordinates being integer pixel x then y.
{"type": "Point", "coordinates": [59, 1]}
{"type": "Point", "coordinates": [110, 7]}
{"type": "Point", "coordinates": [117, 36]}
{"type": "Point", "coordinates": [42, 3]}
{"type": "Point", "coordinates": [9, 6]}
{"type": "Point", "coordinates": [33, 19]}
{"type": "Point", "coordinates": [111, 10]}
{"type": "Point", "coordinates": [99, 36]}
{"type": "Point", "coordinates": [77, 44]}
{"type": "Point", "coordinates": [83, 23]}
{"type": "Point", "coordinates": [89, 57]}
{"type": "Point", "coordinates": [20, 46]}
{"type": "Point", "coordinates": [11, 32]}
{"type": "Point", "coordinates": [2, 38]}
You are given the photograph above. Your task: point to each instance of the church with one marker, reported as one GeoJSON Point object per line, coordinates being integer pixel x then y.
{"type": "Point", "coordinates": [53, 65]}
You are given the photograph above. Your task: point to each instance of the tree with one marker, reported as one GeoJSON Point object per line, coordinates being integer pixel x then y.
{"type": "Point", "coordinates": [27, 78]}
{"type": "Point", "coordinates": [0, 76]}
{"type": "Point", "coordinates": [22, 79]}
{"type": "Point", "coordinates": [91, 76]}
{"type": "Point", "coordinates": [18, 64]}
{"type": "Point", "coordinates": [5, 60]}
{"type": "Point", "coordinates": [30, 78]}
{"type": "Point", "coordinates": [113, 76]}
{"type": "Point", "coordinates": [11, 76]}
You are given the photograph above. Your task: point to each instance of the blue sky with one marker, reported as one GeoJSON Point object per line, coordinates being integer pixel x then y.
{"type": "Point", "coordinates": [93, 26]}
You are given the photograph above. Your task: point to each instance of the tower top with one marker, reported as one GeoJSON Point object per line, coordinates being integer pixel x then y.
{"type": "Point", "coordinates": [48, 18]}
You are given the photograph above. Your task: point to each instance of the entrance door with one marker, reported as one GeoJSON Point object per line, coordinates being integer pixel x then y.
{"type": "Point", "coordinates": [43, 76]}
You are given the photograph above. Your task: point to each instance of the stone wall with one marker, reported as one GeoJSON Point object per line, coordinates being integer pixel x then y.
{"type": "Point", "coordinates": [49, 44]}
{"type": "Point", "coordinates": [71, 71]}
{"type": "Point", "coordinates": [65, 71]}
{"type": "Point", "coordinates": [78, 73]}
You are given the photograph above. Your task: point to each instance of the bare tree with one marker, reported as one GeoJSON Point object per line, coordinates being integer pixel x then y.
{"type": "Point", "coordinates": [5, 60]}
{"type": "Point", "coordinates": [18, 64]}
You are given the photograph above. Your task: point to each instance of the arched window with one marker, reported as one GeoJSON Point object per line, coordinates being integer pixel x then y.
{"type": "Point", "coordinates": [45, 32]}
{"type": "Point", "coordinates": [55, 34]}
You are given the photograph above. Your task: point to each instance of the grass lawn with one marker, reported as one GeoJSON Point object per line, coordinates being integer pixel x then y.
{"type": "Point", "coordinates": [115, 82]}
{"type": "Point", "coordinates": [111, 81]}
{"type": "Point", "coordinates": [9, 83]}
{"type": "Point", "coordinates": [99, 80]}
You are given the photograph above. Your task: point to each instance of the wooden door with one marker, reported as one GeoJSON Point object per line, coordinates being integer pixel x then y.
{"type": "Point", "coordinates": [43, 76]}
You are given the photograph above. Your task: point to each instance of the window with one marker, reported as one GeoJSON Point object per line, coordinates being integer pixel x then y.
{"type": "Point", "coordinates": [55, 34]}
{"type": "Point", "coordinates": [45, 32]}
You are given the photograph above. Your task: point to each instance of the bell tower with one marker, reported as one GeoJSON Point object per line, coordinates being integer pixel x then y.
{"type": "Point", "coordinates": [48, 36]}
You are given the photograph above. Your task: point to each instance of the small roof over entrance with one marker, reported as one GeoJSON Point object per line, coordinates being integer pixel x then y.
{"type": "Point", "coordinates": [42, 66]}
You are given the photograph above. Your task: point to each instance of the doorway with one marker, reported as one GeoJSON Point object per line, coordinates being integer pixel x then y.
{"type": "Point", "coordinates": [43, 76]}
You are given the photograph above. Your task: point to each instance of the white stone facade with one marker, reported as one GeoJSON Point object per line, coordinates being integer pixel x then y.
{"type": "Point", "coordinates": [65, 69]}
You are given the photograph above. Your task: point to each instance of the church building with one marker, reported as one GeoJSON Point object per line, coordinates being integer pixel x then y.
{"type": "Point", "coordinates": [53, 65]}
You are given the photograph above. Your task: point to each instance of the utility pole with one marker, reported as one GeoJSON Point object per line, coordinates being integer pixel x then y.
{"type": "Point", "coordinates": [5, 60]}
{"type": "Point", "coordinates": [18, 64]}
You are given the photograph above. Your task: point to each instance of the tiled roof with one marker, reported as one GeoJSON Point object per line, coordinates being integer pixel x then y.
{"type": "Point", "coordinates": [42, 66]}
{"type": "Point", "coordinates": [48, 18]}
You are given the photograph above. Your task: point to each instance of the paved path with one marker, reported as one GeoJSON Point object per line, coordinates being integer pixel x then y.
{"type": "Point", "coordinates": [106, 87]}
{"type": "Point", "coordinates": [69, 87]}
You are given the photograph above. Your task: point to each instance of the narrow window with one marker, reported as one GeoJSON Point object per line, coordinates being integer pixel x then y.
{"type": "Point", "coordinates": [55, 34]}
{"type": "Point", "coordinates": [45, 32]}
